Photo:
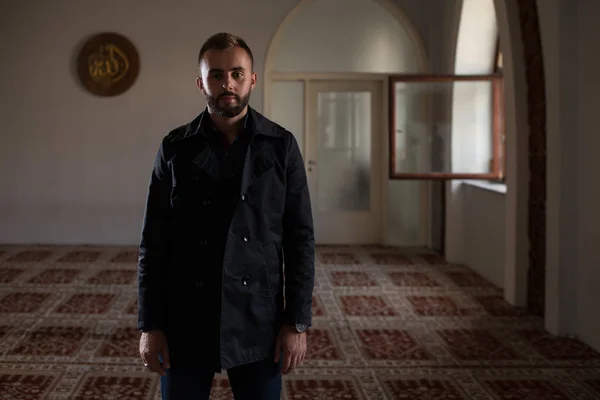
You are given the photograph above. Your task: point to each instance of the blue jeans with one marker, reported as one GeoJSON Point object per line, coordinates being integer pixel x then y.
{"type": "Point", "coordinates": [255, 381]}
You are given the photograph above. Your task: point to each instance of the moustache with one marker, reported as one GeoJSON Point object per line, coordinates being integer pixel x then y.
{"type": "Point", "coordinates": [228, 94]}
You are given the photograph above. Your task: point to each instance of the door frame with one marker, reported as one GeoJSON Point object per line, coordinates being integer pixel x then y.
{"type": "Point", "coordinates": [381, 79]}
{"type": "Point", "coordinates": [312, 141]}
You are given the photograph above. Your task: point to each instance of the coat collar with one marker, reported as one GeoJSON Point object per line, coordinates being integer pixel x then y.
{"type": "Point", "coordinates": [256, 162]}
{"type": "Point", "coordinates": [255, 122]}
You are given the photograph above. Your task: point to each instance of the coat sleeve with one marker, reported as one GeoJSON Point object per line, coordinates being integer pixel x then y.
{"type": "Point", "coordinates": [298, 241]}
{"type": "Point", "coordinates": [153, 251]}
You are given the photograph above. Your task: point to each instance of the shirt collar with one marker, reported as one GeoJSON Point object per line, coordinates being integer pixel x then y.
{"type": "Point", "coordinates": [208, 128]}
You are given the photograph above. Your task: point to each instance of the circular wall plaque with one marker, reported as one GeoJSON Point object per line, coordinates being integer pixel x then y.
{"type": "Point", "coordinates": [108, 64]}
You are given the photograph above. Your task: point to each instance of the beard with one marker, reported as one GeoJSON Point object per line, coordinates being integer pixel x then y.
{"type": "Point", "coordinates": [229, 110]}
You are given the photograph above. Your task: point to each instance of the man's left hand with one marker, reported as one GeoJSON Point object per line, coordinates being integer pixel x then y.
{"type": "Point", "coordinates": [293, 345]}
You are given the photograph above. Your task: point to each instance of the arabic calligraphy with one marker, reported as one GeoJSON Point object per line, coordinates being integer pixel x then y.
{"type": "Point", "coordinates": [108, 65]}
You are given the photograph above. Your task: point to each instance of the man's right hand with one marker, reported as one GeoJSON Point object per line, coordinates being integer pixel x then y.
{"type": "Point", "coordinates": [153, 343]}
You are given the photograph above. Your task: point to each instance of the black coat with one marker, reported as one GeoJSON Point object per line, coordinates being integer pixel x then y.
{"type": "Point", "coordinates": [218, 291]}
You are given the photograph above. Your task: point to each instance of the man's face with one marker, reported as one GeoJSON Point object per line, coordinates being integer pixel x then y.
{"type": "Point", "coordinates": [226, 80]}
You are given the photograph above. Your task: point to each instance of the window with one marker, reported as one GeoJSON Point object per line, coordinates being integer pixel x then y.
{"type": "Point", "coordinates": [446, 127]}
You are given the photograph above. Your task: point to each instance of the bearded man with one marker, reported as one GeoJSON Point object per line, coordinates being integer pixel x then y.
{"type": "Point", "coordinates": [227, 202]}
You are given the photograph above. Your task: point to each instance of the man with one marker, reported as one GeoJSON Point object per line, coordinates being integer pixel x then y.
{"type": "Point", "coordinates": [227, 201]}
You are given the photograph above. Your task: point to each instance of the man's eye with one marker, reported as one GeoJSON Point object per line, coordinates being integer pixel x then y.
{"type": "Point", "coordinates": [237, 75]}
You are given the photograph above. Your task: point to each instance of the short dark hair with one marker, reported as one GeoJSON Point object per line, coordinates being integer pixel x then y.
{"type": "Point", "coordinates": [224, 41]}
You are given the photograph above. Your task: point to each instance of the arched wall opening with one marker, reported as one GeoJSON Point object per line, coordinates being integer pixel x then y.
{"type": "Point", "coordinates": [476, 40]}
{"type": "Point", "coordinates": [521, 204]}
{"type": "Point", "coordinates": [525, 116]}
{"type": "Point", "coordinates": [476, 210]}
{"type": "Point", "coordinates": [317, 45]}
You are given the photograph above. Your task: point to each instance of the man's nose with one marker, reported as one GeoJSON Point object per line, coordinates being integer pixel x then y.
{"type": "Point", "coordinates": [228, 83]}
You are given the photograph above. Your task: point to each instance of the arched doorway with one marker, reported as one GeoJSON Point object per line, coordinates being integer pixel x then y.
{"type": "Point", "coordinates": [322, 63]}
{"type": "Point", "coordinates": [519, 32]}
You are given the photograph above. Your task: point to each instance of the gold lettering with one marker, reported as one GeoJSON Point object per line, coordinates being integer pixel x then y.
{"type": "Point", "coordinates": [108, 65]}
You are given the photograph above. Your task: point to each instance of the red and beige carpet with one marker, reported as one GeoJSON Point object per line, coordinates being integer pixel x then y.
{"type": "Point", "coordinates": [389, 324]}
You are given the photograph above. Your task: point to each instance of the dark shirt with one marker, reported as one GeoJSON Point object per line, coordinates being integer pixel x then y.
{"type": "Point", "coordinates": [231, 165]}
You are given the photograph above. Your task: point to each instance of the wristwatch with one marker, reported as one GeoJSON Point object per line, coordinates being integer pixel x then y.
{"type": "Point", "coordinates": [301, 328]}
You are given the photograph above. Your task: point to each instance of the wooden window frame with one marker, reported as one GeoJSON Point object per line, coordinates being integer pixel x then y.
{"type": "Point", "coordinates": [499, 113]}
{"type": "Point", "coordinates": [497, 167]}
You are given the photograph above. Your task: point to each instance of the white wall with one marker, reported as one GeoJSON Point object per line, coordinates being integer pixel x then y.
{"type": "Point", "coordinates": [75, 167]}
{"type": "Point", "coordinates": [571, 61]}
{"type": "Point", "coordinates": [485, 238]}
{"type": "Point", "coordinates": [79, 164]}
{"type": "Point", "coordinates": [318, 28]}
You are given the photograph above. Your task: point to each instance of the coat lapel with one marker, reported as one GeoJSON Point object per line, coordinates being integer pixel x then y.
{"type": "Point", "coordinates": [255, 165]}
{"type": "Point", "coordinates": [207, 161]}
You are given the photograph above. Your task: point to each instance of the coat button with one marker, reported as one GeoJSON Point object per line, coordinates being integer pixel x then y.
{"type": "Point", "coordinates": [244, 198]}
{"type": "Point", "coordinates": [245, 280]}
{"type": "Point", "coordinates": [246, 239]}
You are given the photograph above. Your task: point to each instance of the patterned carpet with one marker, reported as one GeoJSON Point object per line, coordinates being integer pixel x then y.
{"type": "Point", "coordinates": [389, 324]}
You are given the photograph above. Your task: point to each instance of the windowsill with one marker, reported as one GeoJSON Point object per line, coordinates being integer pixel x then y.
{"type": "Point", "coordinates": [497, 187]}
